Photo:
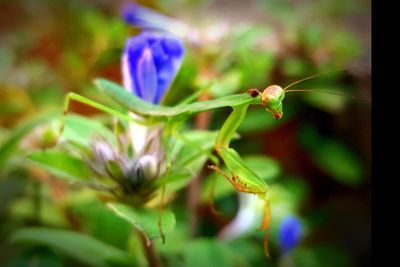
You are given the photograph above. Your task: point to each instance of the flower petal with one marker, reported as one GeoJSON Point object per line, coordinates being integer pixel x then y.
{"type": "Point", "coordinates": [290, 233]}
{"type": "Point", "coordinates": [150, 63]}
{"type": "Point", "coordinates": [168, 54]}
{"type": "Point", "coordinates": [133, 51]}
{"type": "Point", "coordinates": [147, 76]}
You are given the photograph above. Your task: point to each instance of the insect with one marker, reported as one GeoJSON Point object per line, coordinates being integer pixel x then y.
{"type": "Point", "coordinates": [243, 178]}
{"type": "Point", "coordinates": [240, 176]}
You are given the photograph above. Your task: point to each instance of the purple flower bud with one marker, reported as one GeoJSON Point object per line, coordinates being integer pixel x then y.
{"type": "Point", "coordinates": [150, 62]}
{"type": "Point", "coordinates": [290, 232]}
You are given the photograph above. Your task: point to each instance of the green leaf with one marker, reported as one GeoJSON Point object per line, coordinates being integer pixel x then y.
{"type": "Point", "coordinates": [340, 162]}
{"type": "Point", "coordinates": [81, 130]}
{"type": "Point", "coordinates": [79, 246]}
{"type": "Point", "coordinates": [114, 168]}
{"type": "Point", "coordinates": [101, 223]}
{"type": "Point", "coordinates": [205, 252]}
{"type": "Point", "coordinates": [192, 149]}
{"type": "Point", "coordinates": [61, 164]}
{"type": "Point", "coordinates": [145, 220]}
{"type": "Point", "coordinates": [332, 156]}
{"type": "Point", "coordinates": [137, 105]}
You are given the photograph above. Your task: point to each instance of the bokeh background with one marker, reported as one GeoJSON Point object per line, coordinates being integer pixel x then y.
{"type": "Point", "coordinates": [321, 149]}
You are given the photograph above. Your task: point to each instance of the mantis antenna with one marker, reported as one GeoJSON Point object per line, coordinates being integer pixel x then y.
{"type": "Point", "coordinates": [325, 92]}
{"type": "Point", "coordinates": [315, 75]}
{"type": "Point", "coordinates": [320, 91]}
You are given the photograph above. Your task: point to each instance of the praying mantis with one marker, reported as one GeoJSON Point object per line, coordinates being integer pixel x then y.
{"type": "Point", "coordinates": [241, 177]}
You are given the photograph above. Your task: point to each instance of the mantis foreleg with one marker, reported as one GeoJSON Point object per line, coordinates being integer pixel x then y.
{"type": "Point", "coordinates": [242, 178]}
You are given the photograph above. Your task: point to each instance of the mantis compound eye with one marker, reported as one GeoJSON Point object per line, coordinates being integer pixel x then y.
{"type": "Point", "coordinates": [253, 92]}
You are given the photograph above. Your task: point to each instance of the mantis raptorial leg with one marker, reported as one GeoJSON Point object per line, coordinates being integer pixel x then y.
{"type": "Point", "coordinates": [242, 178]}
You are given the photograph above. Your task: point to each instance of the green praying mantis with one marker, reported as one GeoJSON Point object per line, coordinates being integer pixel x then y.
{"type": "Point", "coordinates": [241, 177]}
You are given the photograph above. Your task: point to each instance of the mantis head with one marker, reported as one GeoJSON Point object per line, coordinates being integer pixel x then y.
{"type": "Point", "coordinates": [272, 98]}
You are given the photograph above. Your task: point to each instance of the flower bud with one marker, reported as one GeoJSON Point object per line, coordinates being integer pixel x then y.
{"type": "Point", "coordinates": [150, 62]}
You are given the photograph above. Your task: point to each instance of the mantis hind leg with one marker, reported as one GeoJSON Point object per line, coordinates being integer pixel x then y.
{"type": "Point", "coordinates": [233, 179]}
{"type": "Point", "coordinates": [212, 196]}
{"type": "Point", "coordinates": [81, 99]}
{"type": "Point", "coordinates": [160, 208]}
{"type": "Point", "coordinates": [161, 205]}
{"type": "Point", "coordinates": [265, 225]}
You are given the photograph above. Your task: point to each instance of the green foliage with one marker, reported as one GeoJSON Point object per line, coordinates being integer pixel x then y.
{"type": "Point", "coordinates": [61, 164]}
{"type": "Point", "coordinates": [75, 245]}
{"type": "Point", "coordinates": [333, 157]}
{"type": "Point", "coordinates": [145, 221]}
{"type": "Point", "coordinates": [39, 256]}
{"type": "Point", "coordinates": [257, 120]}
{"type": "Point", "coordinates": [324, 256]}
{"type": "Point", "coordinates": [217, 254]}
{"type": "Point", "coordinates": [80, 130]}
{"type": "Point", "coordinates": [10, 146]}
{"type": "Point", "coordinates": [228, 84]}
{"type": "Point", "coordinates": [100, 223]}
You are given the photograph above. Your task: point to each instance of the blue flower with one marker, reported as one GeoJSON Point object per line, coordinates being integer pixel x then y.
{"type": "Point", "coordinates": [150, 62]}
{"type": "Point", "coordinates": [290, 232]}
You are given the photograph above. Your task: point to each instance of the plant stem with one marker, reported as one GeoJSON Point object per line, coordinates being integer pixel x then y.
{"type": "Point", "coordinates": [149, 251]}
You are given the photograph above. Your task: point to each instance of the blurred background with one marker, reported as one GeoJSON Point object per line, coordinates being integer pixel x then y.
{"type": "Point", "coordinates": [317, 158]}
